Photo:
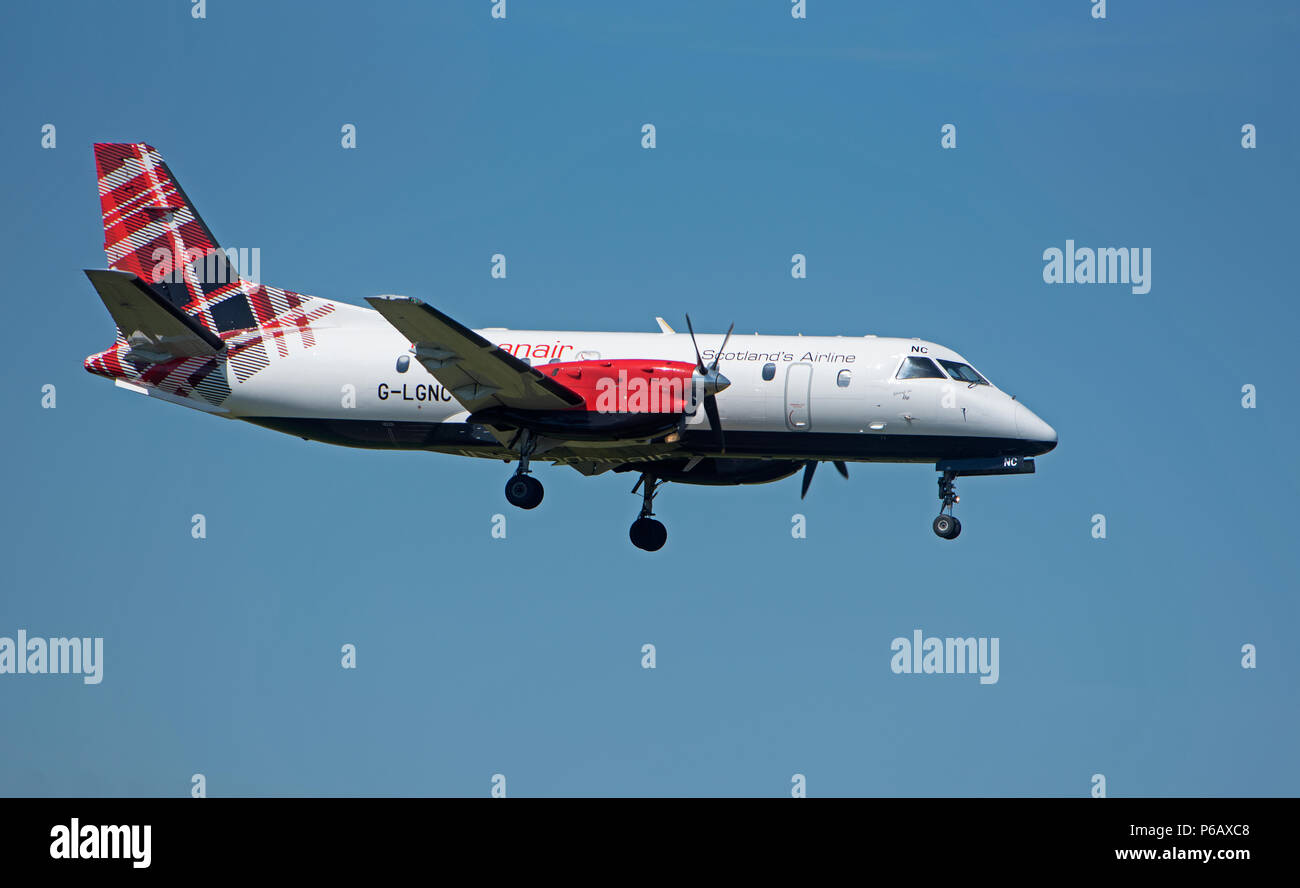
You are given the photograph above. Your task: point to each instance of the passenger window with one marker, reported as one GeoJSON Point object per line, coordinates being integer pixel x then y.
{"type": "Point", "coordinates": [769, 372]}
{"type": "Point", "coordinates": [403, 363]}
{"type": "Point", "coordinates": [963, 372]}
{"type": "Point", "coordinates": [919, 368]}
{"type": "Point", "coordinates": [589, 356]}
{"type": "Point", "coordinates": [843, 379]}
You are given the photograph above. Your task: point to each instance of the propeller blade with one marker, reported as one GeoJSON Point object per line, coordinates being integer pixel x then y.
{"type": "Point", "coordinates": [711, 409]}
{"type": "Point", "coordinates": [844, 469]}
{"type": "Point", "coordinates": [725, 339]}
{"type": "Point", "coordinates": [713, 382]}
{"type": "Point", "coordinates": [699, 361]}
{"type": "Point", "coordinates": [808, 469]}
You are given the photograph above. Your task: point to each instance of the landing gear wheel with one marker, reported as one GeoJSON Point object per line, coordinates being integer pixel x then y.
{"type": "Point", "coordinates": [648, 534]}
{"type": "Point", "coordinates": [524, 491]}
{"type": "Point", "coordinates": [947, 527]}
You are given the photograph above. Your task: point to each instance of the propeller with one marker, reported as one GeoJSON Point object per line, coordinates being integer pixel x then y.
{"type": "Point", "coordinates": [712, 381]}
{"type": "Point", "coordinates": [810, 467]}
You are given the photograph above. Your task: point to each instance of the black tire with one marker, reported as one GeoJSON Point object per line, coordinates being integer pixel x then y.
{"type": "Point", "coordinates": [946, 527]}
{"type": "Point", "coordinates": [648, 534]}
{"type": "Point", "coordinates": [524, 491]}
{"type": "Point", "coordinates": [956, 528]}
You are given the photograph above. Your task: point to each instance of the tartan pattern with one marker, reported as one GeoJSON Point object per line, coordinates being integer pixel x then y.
{"type": "Point", "coordinates": [153, 230]}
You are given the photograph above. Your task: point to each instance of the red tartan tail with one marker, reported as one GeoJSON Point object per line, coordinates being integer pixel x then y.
{"type": "Point", "coordinates": [152, 230]}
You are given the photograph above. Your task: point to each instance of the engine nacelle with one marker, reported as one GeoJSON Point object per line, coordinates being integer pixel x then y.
{"type": "Point", "coordinates": [626, 385]}
{"type": "Point", "coordinates": [626, 399]}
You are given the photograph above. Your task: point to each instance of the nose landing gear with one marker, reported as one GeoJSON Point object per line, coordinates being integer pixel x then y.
{"type": "Point", "coordinates": [946, 526]}
{"type": "Point", "coordinates": [523, 490]}
{"type": "Point", "coordinates": [647, 533]}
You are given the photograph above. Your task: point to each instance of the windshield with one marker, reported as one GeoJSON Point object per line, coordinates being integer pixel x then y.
{"type": "Point", "coordinates": [919, 368]}
{"type": "Point", "coordinates": [963, 372]}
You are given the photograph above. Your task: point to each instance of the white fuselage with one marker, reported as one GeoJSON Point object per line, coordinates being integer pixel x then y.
{"type": "Point", "coordinates": [814, 387]}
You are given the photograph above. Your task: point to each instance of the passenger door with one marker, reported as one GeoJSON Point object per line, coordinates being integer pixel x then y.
{"type": "Point", "coordinates": [798, 394]}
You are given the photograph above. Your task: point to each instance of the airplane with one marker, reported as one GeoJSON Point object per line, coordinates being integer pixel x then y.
{"type": "Point", "coordinates": [193, 330]}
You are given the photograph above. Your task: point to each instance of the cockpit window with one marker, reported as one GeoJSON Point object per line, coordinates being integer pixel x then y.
{"type": "Point", "coordinates": [963, 372]}
{"type": "Point", "coordinates": [919, 368]}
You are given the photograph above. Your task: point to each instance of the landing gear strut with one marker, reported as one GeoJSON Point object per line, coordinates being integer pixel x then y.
{"type": "Point", "coordinates": [523, 490]}
{"type": "Point", "coordinates": [946, 526]}
{"type": "Point", "coordinates": [647, 533]}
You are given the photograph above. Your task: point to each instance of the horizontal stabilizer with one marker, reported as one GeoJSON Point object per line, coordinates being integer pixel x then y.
{"type": "Point", "coordinates": [155, 330]}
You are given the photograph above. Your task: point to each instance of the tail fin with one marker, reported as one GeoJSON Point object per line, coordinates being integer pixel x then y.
{"type": "Point", "coordinates": [153, 231]}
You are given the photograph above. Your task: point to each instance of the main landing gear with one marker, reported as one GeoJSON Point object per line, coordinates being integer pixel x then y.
{"type": "Point", "coordinates": [647, 533]}
{"type": "Point", "coordinates": [946, 526]}
{"type": "Point", "coordinates": [523, 490]}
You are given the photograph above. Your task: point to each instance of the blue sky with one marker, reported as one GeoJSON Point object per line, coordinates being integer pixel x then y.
{"type": "Point", "coordinates": [523, 656]}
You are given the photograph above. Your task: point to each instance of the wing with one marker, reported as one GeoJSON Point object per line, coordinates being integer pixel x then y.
{"type": "Point", "coordinates": [476, 372]}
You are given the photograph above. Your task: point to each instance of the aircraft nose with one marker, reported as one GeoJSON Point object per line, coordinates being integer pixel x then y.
{"type": "Point", "coordinates": [1034, 430]}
